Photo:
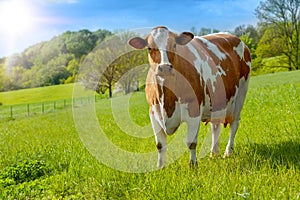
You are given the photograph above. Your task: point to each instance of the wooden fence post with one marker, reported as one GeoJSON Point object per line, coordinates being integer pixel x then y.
{"type": "Point", "coordinates": [27, 109]}
{"type": "Point", "coordinates": [11, 112]}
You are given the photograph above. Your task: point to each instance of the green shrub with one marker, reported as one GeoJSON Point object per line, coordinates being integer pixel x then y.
{"type": "Point", "coordinates": [22, 172]}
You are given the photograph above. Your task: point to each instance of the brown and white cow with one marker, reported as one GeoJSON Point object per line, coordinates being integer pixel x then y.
{"type": "Point", "coordinates": [193, 79]}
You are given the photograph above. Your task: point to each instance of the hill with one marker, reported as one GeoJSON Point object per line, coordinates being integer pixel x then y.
{"type": "Point", "coordinates": [51, 62]}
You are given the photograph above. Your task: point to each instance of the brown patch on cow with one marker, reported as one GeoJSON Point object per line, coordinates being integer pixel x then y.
{"type": "Point", "coordinates": [193, 146]}
{"type": "Point", "coordinates": [187, 85]}
{"type": "Point", "coordinates": [159, 146]}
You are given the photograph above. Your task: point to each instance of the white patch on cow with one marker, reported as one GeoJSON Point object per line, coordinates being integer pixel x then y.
{"type": "Point", "coordinates": [249, 64]}
{"type": "Point", "coordinates": [204, 69]}
{"type": "Point", "coordinates": [197, 61]}
{"type": "Point", "coordinates": [206, 107]}
{"type": "Point", "coordinates": [240, 49]}
{"type": "Point", "coordinates": [161, 114]}
{"type": "Point", "coordinates": [213, 48]}
{"type": "Point", "coordinates": [219, 33]}
{"type": "Point", "coordinates": [221, 71]}
{"type": "Point", "coordinates": [208, 75]}
{"type": "Point", "coordinates": [160, 36]}
{"type": "Point", "coordinates": [155, 118]}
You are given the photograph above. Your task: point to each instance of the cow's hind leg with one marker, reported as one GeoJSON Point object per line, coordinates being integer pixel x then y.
{"type": "Point", "coordinates": [239, 102]}
{"type": "Point", "coordinates": [215, 128]}
{"type": "Point", "coordinates": [230, 145]}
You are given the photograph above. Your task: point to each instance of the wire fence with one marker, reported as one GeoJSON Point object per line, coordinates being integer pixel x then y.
{"type": "Point", "coordinates": [31, 109]}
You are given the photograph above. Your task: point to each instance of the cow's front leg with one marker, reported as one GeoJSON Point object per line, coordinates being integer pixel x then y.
{"type": "Point", "coordinates": [160, 139]}
{"type": "Point", "coordinates": [161, 145]}
{"type": "Point", "coordinates": [192, 138]}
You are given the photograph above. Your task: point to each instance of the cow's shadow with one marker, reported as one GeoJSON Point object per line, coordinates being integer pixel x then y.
{"type": "Point", "coordinates": [285, 154]}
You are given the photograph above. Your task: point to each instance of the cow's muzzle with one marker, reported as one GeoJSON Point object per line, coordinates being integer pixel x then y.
{"type": "Point", "coordinates": [164, 70]}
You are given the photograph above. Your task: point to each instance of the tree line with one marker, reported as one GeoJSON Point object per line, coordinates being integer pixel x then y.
{"type": "Point", "coordinates": [274, 43]}
{"type": "Point", "coordinates": [49, 63]}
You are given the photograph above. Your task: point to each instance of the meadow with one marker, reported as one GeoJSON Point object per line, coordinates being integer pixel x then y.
{"type": "Point", "coordinates": [43, 156]}
{"type": "Point", "coordinates": [35, 101]}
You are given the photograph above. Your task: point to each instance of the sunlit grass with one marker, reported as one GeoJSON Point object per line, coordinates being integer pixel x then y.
{"type": "Point", "coordinates": [42, 94]}
{"type": "Point", "coordinates": [266, 163]}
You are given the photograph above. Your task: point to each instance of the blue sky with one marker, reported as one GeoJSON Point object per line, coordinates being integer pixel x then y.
{"type": "Point", "coordinates": [26, 22]}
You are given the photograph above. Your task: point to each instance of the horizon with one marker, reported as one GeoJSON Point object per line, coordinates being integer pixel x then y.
{"type": "Point", "coordinates": [39, 21]}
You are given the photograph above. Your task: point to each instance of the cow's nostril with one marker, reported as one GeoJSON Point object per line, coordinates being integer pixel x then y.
{"type": "Point", "coordinates": [164, 68]}
{"type": "Point", "coordinates": [160, 68]}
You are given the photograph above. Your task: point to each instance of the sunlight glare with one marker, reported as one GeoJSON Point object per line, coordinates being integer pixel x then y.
{"type": "Point", "coordinates": [16, 17]}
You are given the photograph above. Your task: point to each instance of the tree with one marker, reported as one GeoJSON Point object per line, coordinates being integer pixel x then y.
{"type": "Point", "coordinates": [132, 70]}
{"type": "Point", "coordinates": [56, 71]}
{"type": "Point", "coordinates": [248, 30]}
{"type": "Point", "coordinates": [73, 68]}
{"type": "Point", "coordinates": [110, 62]}
{"type": "Point", "coordinates": [98, 71]}
{"type": "Point", "coordinates": [203, 31]}
{"type": "Point", "coordinates": [268, 54]}
{"type": "Point", "coordinates": [3, 78]}
{"type": "Point", "coordinates": [285, 16]}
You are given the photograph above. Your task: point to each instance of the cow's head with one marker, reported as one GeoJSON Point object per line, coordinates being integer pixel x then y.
{"type": "Point", "coordinates": [161, 44]}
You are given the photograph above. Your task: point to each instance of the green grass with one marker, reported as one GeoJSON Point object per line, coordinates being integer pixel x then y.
{"type": "Point", "coordinates": [37, 101]}
{"type": "Point", "coordinates": [266, 164]}
{"type": "Point", "coordinates": [42, 94]}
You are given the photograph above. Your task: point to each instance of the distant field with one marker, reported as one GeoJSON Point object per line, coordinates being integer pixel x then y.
{"type": "Point", "coordinates": [33, 95]}
{"type": "Point", "coordinates": [43, 157]}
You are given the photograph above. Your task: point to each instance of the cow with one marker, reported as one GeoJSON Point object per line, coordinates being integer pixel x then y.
{"type": "Point", "coordinates": [193, 79]}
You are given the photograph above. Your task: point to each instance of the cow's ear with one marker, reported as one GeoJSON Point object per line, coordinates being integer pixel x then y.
{"type": "Point", "coordinates": [184, 38]}
{"type": "Point", "coordinates": [137, 43]}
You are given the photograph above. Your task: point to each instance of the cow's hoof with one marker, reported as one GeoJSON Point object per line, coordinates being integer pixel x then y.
{"type": "Point", "coordinates": [161, 165]}
{"type": "Point", "coordinates": [193, 163]}
{"type": "Point", "coordinates": [228, 154]}
{"type": "Point", "coordinates": [214, 155]}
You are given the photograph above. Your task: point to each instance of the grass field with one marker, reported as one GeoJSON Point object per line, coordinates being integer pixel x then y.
{"type": "Point", "coordinates": [42, 94]}
{"type": "Point", "coordinates": [36, 101]}
{"type": "Point", "coordinates": [42, 157]}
